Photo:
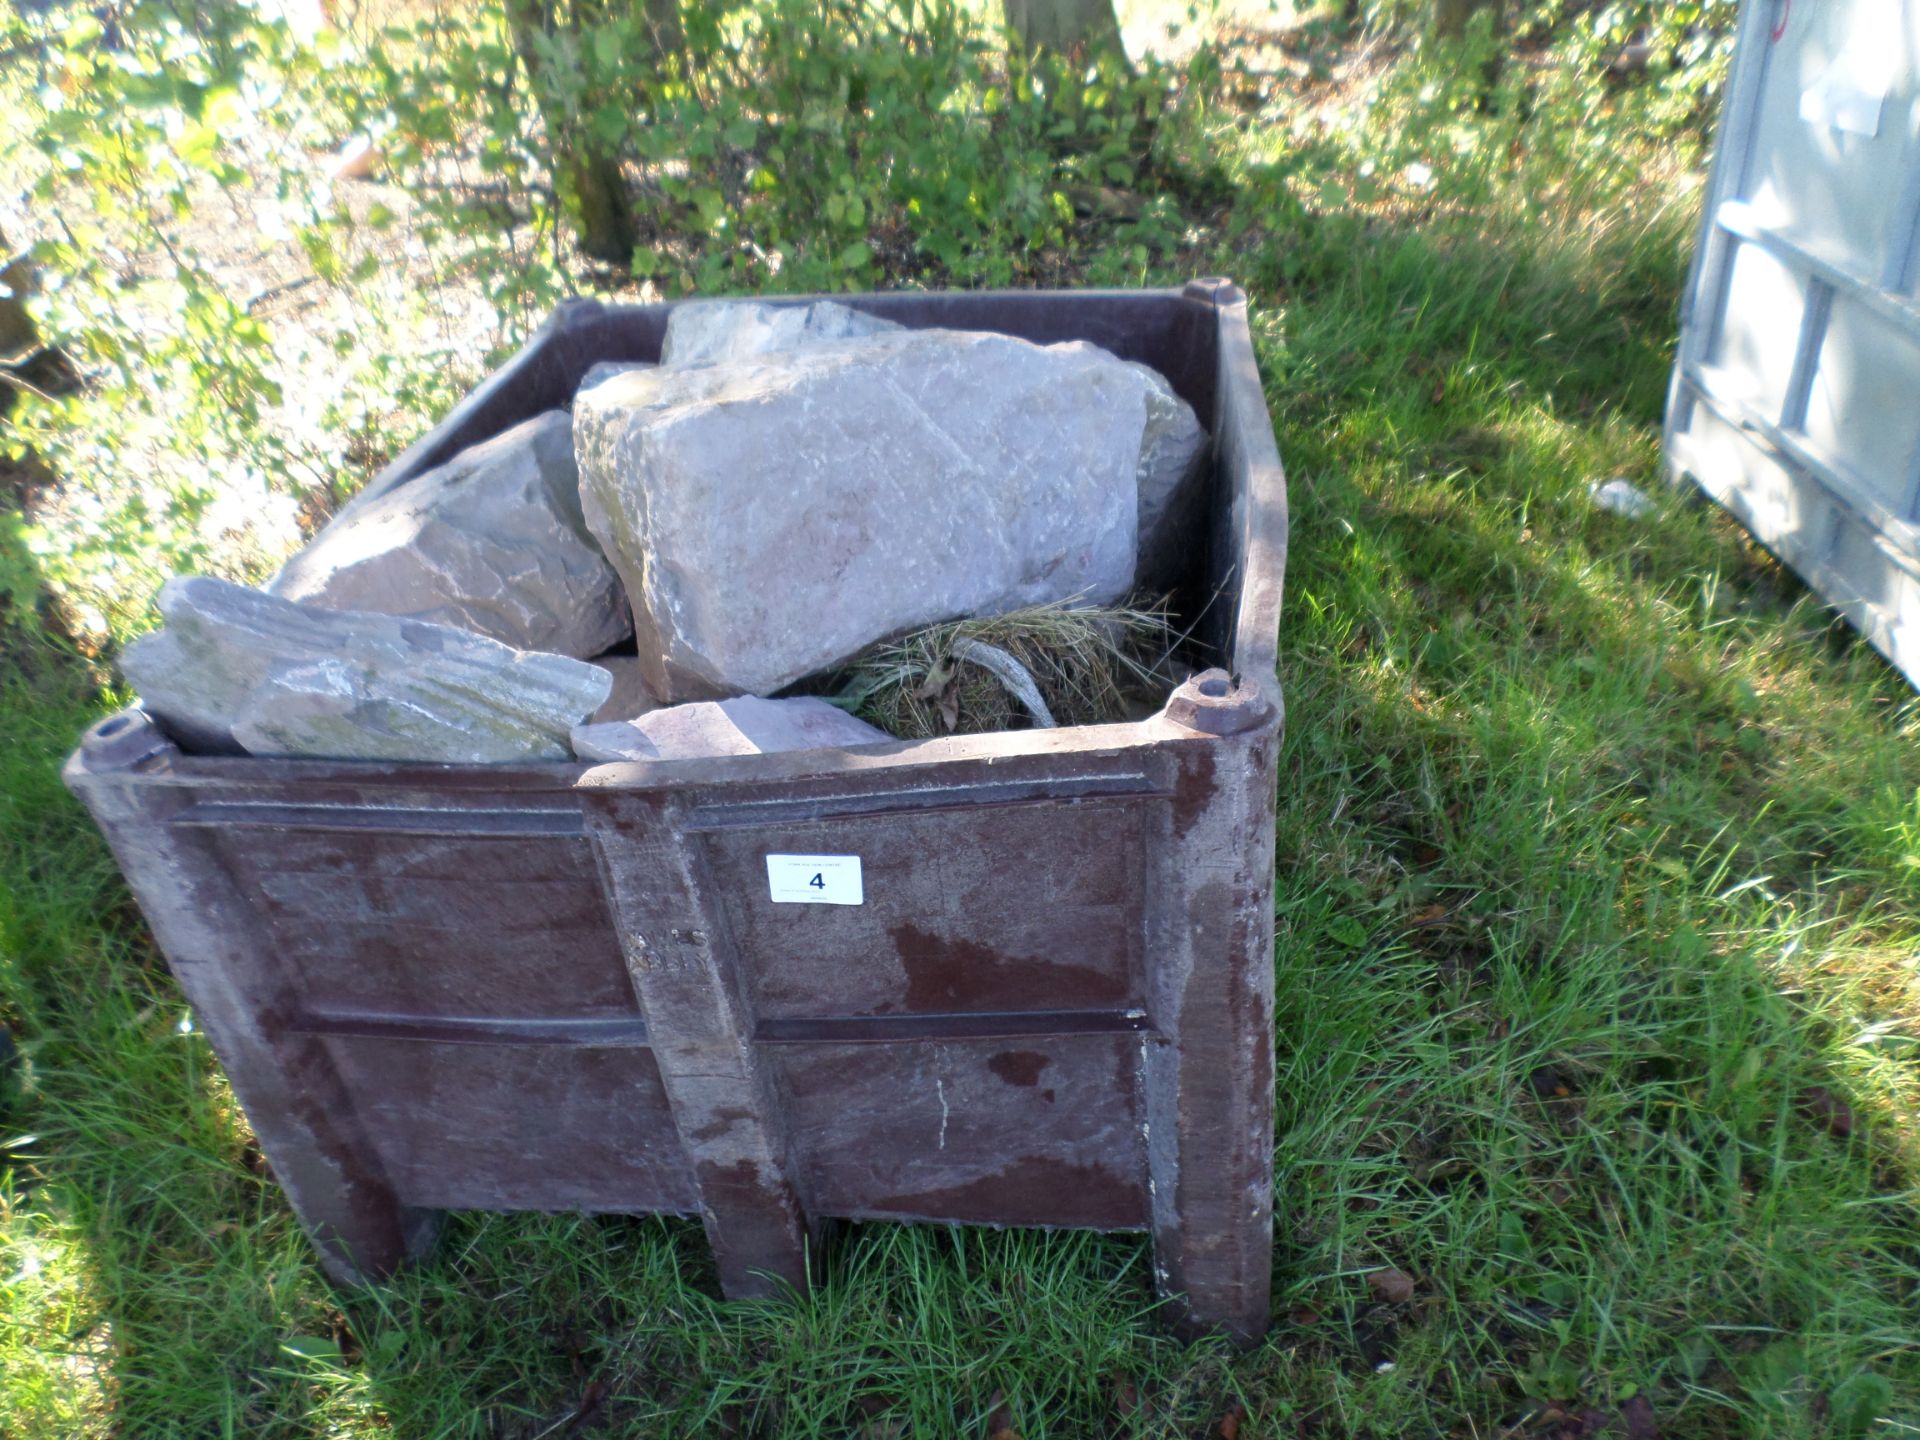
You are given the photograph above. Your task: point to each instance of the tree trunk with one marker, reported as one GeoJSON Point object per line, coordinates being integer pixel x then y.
{"type": "Point", "coordinates": [1082, 29]}
{"type": "Point", "coordinates": [663, 19]}
{"type": "Point", "coordinates": [601, 206]}
{"type": "Point", "coordinates": [16, 326]}
{"type": "Point", "coordinates": [586, 172]}
{"type": "Point", "coordinates": [1450, 16]}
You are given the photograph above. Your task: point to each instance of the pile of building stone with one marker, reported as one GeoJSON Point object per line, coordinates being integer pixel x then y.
{"type": "Point", "coordinates": [786, 487]}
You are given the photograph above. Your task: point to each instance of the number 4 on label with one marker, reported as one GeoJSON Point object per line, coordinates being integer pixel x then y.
{"type": "Point", "coordinates": [815, 880]}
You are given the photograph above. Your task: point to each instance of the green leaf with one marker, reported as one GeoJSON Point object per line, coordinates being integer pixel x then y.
{"type": "Point", "coordinates": [198, 146]}
{"type": "Point", "coordinates": [1857, 1403]}
{"type": "Point", "coordinates": [1778, 1369]}
{"type": "Point", "coordinates": [82, 31]}
{"type": "Point", "coordinates": [311, 1347]}
{"type": "Point", "coordinates": [220, 108]}
{"type": "Point", "coordinates": [856, 256]}
{"type": "Point", "coordinates": [609, 123]}
{"type": "Point", "coordinates": [1345, 930]}
{"type": "Point", "coordinates": [1516, 1246]}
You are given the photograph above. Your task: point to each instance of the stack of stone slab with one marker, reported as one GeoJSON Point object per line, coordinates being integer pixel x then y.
{"type": "Point", "coordinates": [789, 485]}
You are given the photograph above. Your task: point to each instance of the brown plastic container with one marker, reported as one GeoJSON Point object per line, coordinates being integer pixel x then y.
{"type": "Point", "coordinates": [567, 987]}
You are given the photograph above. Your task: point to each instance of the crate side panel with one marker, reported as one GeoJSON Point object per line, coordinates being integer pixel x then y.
{"type": "Point", "coordinates": [1860, 415]}
{"type": "Point", "coordinates": [1246, 538]}
{"type": "Point", "coordinates": [1041, 1130]}
{"type": "Point", "coordinates": [1849, 563]}
{"type": "Point", "coordinates": [1791, 513]}
{"type": "Point", "coordinates": [1871, 572]}
{"type": "Point", "coordinates": [1035, 906]}
{"type": "Point", "coordinates": [1759, 329]}
{"type": "Point", "coordinates": [1830, 147]}
{"type": "Point", "coordinates": [435, 927]}
{"type": "Point", "coordinates": [519, 1127]}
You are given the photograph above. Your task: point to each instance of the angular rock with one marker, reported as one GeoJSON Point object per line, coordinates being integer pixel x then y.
{"type": "Point", "coordinates": [238, 667]}
{"type": "Point", "coordinates": [629, 699]}
{"type": "Point", "coordinates": [606, 370]}
{"type": "Point", "coordinates": [493, 541]}
{"type": "Point", "coordinates": [746, 725]}
{"type": "Point", "coordinates": [701, 332]}
{"type": "Point", "coordinates": [1172, 480]}
{"type": "Point", "coordinates": [773, 516]}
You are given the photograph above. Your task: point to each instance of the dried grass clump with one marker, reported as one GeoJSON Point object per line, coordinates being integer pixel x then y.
{"type": "Point", "coordinates": [1092, 664]}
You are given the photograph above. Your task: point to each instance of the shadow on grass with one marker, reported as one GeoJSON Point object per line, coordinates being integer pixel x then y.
{"type": "Point", "coordinates": [139, 1212]}
{"type": "Point", "coordinates": [1594, 864]}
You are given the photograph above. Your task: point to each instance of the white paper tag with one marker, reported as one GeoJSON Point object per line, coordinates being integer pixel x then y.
{"type": "Point", "coordinates": [815, 879]}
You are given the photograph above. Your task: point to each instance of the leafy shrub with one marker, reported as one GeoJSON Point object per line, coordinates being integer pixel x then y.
{"type": "Point", "coordinates": [800, 144]}
{"type": "Point", "coordinates": [797, 144]}
{"type": "Point", "coordinates": [134, 128]}
{"type": "Point", "coordinates": [786, 145]}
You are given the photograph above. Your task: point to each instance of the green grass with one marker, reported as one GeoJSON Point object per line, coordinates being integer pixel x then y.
{"type": "Point", "coordinates": [1599, 851]}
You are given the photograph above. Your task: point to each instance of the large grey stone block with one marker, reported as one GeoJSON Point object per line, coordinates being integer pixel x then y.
{"type": "Point", "coordinates": [606, 370]}
{"type": "Point", "coordinates": [772, 516]}
{"type": "Point", "coordinates": [493, 541]}
{"type": "Point", "coordinates": [1172, 478]}
{"type": "Point", "coordinates": [703, 332]}
{"type": "Point", "coordinates": [747, 725]}
{"type": "Point", "coordinates": [235, 667]}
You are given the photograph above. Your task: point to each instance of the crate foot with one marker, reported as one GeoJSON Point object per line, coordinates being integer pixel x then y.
{"type": "Point", "coordinates": [1230, 1302]}
{"type": "Point", "coordinates": [378, 1244]}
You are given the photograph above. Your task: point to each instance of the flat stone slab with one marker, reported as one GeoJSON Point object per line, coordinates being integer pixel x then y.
{"type": "Point", "coordinates": [238, 668]}
{"type": "Point", "coordinates": [771, 517]}
{"type": "Point", "coordinates": [746, 725]}
{"type": "Point", "coordinates": [493, 541]}
{"type": "Point", "coordinates": [703, 332]}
